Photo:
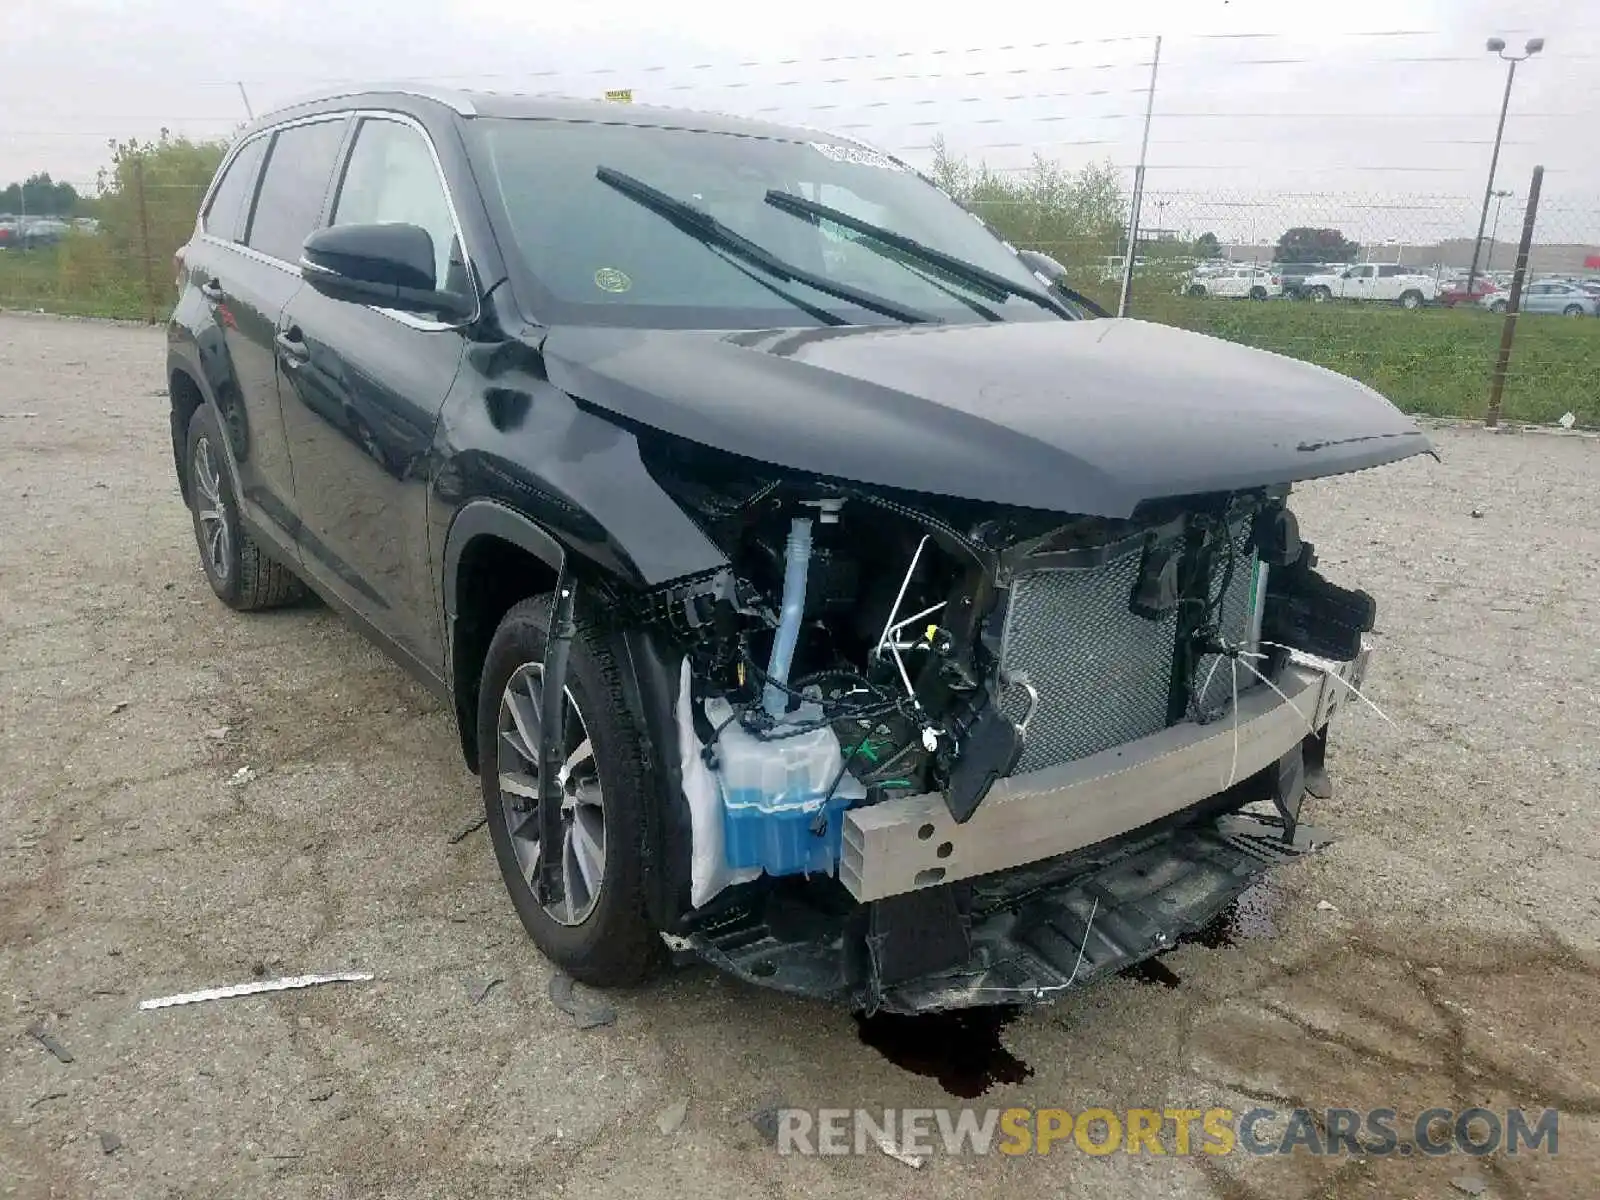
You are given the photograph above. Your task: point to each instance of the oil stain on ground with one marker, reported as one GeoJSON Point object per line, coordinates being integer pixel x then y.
{"type": "Point", "coordinates": [961, 1048]}
{"type": "Point", "coordinates": [1247, 919]}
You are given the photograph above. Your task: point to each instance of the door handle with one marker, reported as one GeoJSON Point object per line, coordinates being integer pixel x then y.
{"type": "Point", "coordinates": [211, 289]}
{"type": "Point", "coordinates": [292, 348]}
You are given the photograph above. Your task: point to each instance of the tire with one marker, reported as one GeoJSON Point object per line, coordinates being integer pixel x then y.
{"type": "Point", "coordinates": [1197, 290]}
{"type": "Point", "coordinates": [1572, 310]}
{"type": "Point", "coordinates": [1498, 307]}
{"type": "Point", "coordinates": [1320, 295]}
{"type": "Point", "coordinates": [1258, 293]}
{"type": "Point", "coordinates": [239, 571]}
{"type": "Point", "coordinates": [1412, 299]}
{"type": "Point", "coordinates": [613, 943]}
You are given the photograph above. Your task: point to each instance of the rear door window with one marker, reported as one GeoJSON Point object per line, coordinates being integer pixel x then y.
{"type": "Point", "coordinates": [232, 195]}
{"type": "Point", "coordinates": [289, 202]}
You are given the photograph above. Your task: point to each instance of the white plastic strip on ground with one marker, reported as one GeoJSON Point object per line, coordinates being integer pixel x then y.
{"type": "Point", "coordinates": [287, 983]}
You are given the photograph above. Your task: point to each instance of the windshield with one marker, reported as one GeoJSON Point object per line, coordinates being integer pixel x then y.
{"type": "Point", "coordinates": [590, 254]}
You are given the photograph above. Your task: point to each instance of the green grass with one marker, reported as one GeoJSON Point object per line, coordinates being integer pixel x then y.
{"type": "Point", "coordinates": [81, 277]}
{"type": "Point", "coordinates": [1434, 361]}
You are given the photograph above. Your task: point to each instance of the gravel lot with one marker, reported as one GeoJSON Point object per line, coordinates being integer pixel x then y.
{"type": "Point", "coordinates": [1460, 962]}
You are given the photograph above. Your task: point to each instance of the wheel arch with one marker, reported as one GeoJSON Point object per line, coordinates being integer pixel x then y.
{"type": "Point", "coordinates": [186, 395]}
{"type": "Point", "coordinates": [494, 556]}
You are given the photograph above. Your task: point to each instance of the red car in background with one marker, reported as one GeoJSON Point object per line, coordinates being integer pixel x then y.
{"type": "Point", "coordinates": [1456, 292]}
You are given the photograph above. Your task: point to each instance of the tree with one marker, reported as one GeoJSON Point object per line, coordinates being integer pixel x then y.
{"type": "Point", "coordinates": [171, 175]}
{"type": "Point", "coordinates": [1302, 244]}
{"type": "Point", "coordinates": [948, 172]}
{"type": "Point", "coordinates": [1207, 246]}
{"type": "Point", "coordinates": [39, 196]}
{"type": "Point", "coordinates": [1074, 216]}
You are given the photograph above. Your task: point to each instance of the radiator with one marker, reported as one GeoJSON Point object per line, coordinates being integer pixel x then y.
{"type": "Point", "coordinates": [1094, 673]}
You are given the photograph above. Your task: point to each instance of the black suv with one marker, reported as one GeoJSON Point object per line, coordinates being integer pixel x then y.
{"type": "Point", "coordinates": [814, 589]}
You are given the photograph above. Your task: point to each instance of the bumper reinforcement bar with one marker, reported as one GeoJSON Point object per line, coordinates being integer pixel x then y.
{"type": "Point", "coordinates": [912, 842]}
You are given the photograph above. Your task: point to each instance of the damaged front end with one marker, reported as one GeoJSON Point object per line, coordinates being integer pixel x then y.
{"type": "Point", "coordinates": [940, 752]}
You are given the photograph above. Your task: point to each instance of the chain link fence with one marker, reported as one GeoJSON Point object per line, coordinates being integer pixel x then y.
{"type": "Point", "coordinates": [1373, 286]}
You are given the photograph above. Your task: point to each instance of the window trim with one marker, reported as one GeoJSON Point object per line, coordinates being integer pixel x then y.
{"type": "Point", "coordinates": [355, 116]}
{"type": "Point", "coordinates": [360, 117]}
{"type": "Point", "coordinates": [266, 165]}
{"type": "Point", "coordinates": [270, 131]}
{"type": "Point", "coordinates": [248, 199]}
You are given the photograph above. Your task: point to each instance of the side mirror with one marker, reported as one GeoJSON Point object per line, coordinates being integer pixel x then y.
{"type": "Point", "coordinates": [1043, 265]}
{"type": "Point", "coordinates": [1047, 268]}
{"type": "Point", "coordinates": [387, 265]}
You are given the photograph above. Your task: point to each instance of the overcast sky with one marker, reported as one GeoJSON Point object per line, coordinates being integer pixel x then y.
{"type": "Point", "coordinates": [1377, 114]}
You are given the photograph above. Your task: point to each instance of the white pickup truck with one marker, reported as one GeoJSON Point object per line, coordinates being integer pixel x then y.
{"type": "Point", "coordinates": [1390, 282]}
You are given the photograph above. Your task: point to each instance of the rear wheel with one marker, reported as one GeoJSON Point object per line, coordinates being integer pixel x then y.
{"type": "Point", "coordinates": [1572, 310]}
{"type": "Point", "coordinates": [1497, 306]}
{"type": "Point", "coordinates": [1258, 292]}
{"type": "Point", "coordinates": [1411, 299]}
{"type": "Point", "coordinates": [594, 925]}
{"type": "Point", "coordinates": [238, 570]}
{"type": "Point", "coordinates": [1320, 294]}
{"type": "Point", "coordinates": [1197, 289]}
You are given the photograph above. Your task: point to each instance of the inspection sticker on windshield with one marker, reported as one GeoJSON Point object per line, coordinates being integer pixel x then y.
{"type": "Point", "coordinates": [609, 279]}
{"type": "Point", "coordinates": [861, 156]}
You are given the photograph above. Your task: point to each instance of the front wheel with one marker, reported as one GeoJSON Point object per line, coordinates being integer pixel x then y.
{"type": "Point", "coordinates": [1320, 294]}
{"type": "Point", "coordinates": [1197, 290]}
{"type": "Point", "coordinates": [1411, 300]}
{"type": "Point", "coordinates": [592, 923]}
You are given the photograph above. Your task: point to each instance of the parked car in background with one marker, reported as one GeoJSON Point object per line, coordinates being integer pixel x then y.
{"type": "Point", "coordinates": [1294, 276]}
{"type": "Point", "coordinates": [1389, 282]}
{"type": "Point", "coordinates": [43, 231]}
{"type": "Point", "coordinates": [1455, 291]}
{"type": "Point", "coordinates": [1247, 282]}
{"type": "Point", "coordinates": [1547, 296]}
{"type": "Point", "coordinates": [1111, 268]}
{"type": "Point", "coordinates": [25, 233]}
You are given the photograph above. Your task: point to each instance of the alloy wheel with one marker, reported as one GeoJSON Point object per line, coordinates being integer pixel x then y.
{"type": "Point", "coordinates": [216, 542]}
{"type": "Point", "coordinates": [583, 823]}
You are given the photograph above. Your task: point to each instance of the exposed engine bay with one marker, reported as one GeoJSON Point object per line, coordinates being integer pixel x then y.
{"type": "Point", "coordinates": [875, 666]}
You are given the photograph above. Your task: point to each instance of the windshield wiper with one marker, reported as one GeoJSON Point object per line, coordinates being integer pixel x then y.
{"type": "Point", "coordinates": [979, 277]}
{"type": "Point", "coordinates": [712, 232]}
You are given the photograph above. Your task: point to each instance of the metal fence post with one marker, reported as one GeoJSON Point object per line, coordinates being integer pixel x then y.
{"type": "Point", "coordinates": [1125, 298]}
{"type": "Point", "coordinates": [1508, 332]}
{"type": "Point", "coordinates": [144, 242]}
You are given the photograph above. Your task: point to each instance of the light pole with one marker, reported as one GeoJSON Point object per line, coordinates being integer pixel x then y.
{"type": "Point", "coordinates": [1498, 46]}
{"type": "Point", "coordinates": [1494, 230]}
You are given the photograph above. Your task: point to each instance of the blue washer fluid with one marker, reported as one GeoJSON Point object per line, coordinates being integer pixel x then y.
{"type": "Point", "coordinates": [772, 789]}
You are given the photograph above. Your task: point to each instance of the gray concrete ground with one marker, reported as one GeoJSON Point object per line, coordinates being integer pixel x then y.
{"type": "Point", "coordinates": [1460, 961]}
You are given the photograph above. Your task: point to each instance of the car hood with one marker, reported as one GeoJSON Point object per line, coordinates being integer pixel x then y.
{"type": "Point", "coordinates": [1090, 417]}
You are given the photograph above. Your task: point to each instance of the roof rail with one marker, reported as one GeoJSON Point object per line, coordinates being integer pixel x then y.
{"type": "Point", "coordinates": [457, 100]}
